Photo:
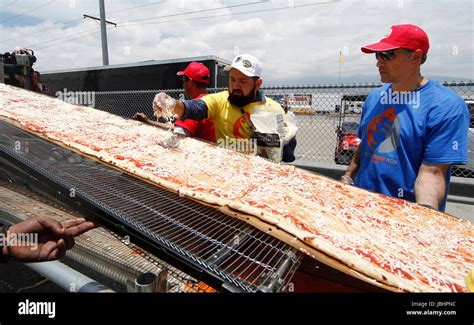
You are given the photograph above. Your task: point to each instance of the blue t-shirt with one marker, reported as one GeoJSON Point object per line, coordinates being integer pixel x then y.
{"type": "Point", "coordinates": [402, 130]}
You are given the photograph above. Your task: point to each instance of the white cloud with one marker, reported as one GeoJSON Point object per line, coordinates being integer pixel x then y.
{"type": "Point", "coordinates": [293, 44]}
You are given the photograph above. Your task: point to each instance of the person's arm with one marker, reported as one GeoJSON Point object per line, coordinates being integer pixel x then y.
{"type": "Point", "coordinates": [50, 238]}
{"type": "Point", "coordinates": [445, 144]}
{"type": "Point", "coordinates": [143, 118]}
{"type": "Point", "coordinates": [351, 172]}
{"type": "Point", "coordinates": [289, 151]}
{"type": "Point", "coordinates": [195, 109]}
{"type": "Point", "coordinates": [352, 169]}
{"type": "Point", "coordinates": [169, 126]}
{"type": "Point", "coordinates": [430, 185]}
{"type": "Point", "coordinates": [187, 127]}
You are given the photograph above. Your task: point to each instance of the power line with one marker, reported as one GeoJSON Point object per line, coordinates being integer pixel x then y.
{"type": "Point", "coordinates": [22, 14]}
{"type": "Point", "coordinates": [232, 14]}
{"type": "Point", "coordinates": [196, 11]}
{"type": "Point", "coordinates": [9, 4]}
{"type": "Point", "coordinates": [72, 39]}
{"type": "Point", "coordinates": [186, 13]}
{"type": "Point", "coordinates": [56, 39]}
{"type": "Point", "coordinates": [75, 20]}
{"type": "Point", "coordinates": [42, 30]}
{"type": "Point", "coordinates": [149, 4]}
{"type": "Point", "coordinates": [179, 20]}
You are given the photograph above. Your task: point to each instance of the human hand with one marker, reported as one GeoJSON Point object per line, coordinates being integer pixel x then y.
{"type": "Point", "coordinates": [140, 117]}
{"type": "Point", "coordinates": [48, 239]}
{"type": "Point", "coordinates": [163, 105]}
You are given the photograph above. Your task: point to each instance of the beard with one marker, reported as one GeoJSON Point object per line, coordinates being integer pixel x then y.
{"type": "Point", "coordinates": [240, 100]}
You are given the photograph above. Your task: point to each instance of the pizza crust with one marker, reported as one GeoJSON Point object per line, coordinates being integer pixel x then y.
{"type": "Point", "coordinates": [261, 214]}
{"type": "Point", "coordinates": [208, 198]}
{"type": "Point", "coordinates": [351, 260]}
{"type": "Point", "coordinates": [199, 171]}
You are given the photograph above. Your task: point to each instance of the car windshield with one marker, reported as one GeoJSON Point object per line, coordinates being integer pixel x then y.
{"type": "Point", "coordinates": [350, 127]}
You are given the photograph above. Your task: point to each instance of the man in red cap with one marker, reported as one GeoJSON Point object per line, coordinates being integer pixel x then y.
{"type": "Point", "coordinates": [195, 78]}
{"type": "Point", "coordinates": [412, 129]}
{"type": "Point", "coordinates": [195, 81]}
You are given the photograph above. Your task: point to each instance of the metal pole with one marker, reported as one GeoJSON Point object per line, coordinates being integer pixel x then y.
{"type": "Point", "coordinates": [340, 62]}
{"type": "Point", "coordinates": [103, 34]}
{"type": "Point", "coordinates": [67, 278]}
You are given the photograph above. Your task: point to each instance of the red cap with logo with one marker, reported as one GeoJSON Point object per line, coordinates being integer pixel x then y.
{"type": "Point", "coordinates": [407, 36]}
{"type": "Point", "coordinates": [197, 72]}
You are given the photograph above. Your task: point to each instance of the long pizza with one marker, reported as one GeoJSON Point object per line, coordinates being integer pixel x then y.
{"type": "Point", "coordinates": [393, 241]}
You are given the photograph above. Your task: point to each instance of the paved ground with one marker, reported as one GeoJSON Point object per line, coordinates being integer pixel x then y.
{"type": "Point", "coordinates": [464, 211]}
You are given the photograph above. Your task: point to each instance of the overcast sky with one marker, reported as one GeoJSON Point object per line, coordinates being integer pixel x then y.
{"type": "Point", "coordinates": [297, 41]}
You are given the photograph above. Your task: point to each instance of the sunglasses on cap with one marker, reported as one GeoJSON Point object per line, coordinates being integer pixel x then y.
{"type": "Point", "coordinates": [388, 55]}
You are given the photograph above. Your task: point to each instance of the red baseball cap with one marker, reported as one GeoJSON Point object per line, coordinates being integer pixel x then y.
{"type": "Point", "coordinates": [407, 36]}
{"type": "Point", "coordinates": [197, 72]}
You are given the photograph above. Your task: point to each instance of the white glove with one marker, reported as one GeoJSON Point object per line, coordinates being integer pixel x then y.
{"type": "Point", "coordinates": [163, 105]}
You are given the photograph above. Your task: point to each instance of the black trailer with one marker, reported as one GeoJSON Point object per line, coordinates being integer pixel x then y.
{"type": "Point", "coordinates": [147, 75]}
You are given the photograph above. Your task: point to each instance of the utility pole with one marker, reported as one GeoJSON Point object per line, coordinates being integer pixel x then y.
{"type": "Point", "coordinates": [103, 33]}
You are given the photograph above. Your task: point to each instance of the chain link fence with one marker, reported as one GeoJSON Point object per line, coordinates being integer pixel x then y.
{"type": "Point", "coordinates": [328, 116]}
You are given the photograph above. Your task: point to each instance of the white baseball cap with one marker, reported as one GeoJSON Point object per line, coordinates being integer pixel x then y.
{"type": "Point", "coordinates": [247, 64]}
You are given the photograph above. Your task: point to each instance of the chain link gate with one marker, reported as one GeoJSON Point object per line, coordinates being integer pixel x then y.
{"type": "Point", "coordinates": [328, 116]}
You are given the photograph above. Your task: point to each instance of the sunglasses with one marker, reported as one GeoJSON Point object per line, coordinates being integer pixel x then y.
{"type": "Point", "coordinates": [184, 78]}
{"type": "Point", "coordinates": [388, 55]}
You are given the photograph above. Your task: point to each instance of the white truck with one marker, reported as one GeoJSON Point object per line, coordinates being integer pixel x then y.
{"type": "Point", "coordinates": [355, 107]}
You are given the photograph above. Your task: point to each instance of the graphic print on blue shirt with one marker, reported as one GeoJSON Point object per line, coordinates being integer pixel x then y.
{"type": "Point", "coordinates": [398, 137]}
{"type": "Point", "coordinates": [383, 132]}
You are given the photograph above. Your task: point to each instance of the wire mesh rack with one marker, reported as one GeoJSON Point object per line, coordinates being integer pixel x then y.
{"type": "Point", "coordinates": [238, 255]}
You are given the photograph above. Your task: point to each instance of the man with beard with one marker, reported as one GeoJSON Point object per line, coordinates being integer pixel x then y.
{"type": "Point", "coordinates": [231, 109]}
